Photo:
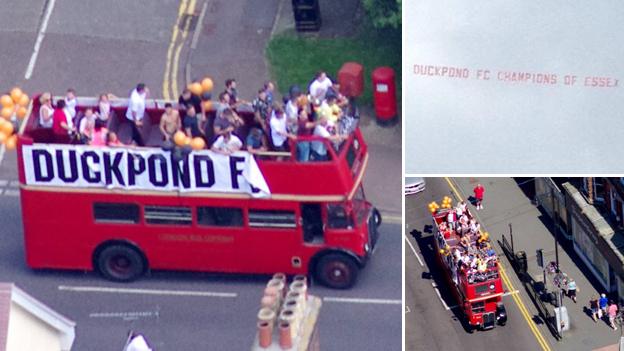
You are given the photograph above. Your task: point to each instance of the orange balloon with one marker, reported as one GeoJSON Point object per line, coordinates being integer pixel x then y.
{"type": "Point", "coordinates": [198, 143]}
{"type": "Point", "coordinates": [206, 85]}
{"type": "Point", "coordinates": [6, 112]}
{"type": "Point", "coordinates": [179, 138]}
{"type": "Point", "coordinates": [207, 105]}
{"type": "Point", "coordinates": [23, 100]}
{"type": "Point", "coordinates": [3, 138]}
{"type": "Point", "coordinates": [195, 88]}
{"type": "Point", "coordinates": [21, 112]}
{"type": "Point", "coordinates": [11, 142]}
{"type": "Point", "coordinates": [16, 94]}
{"type": "Point", "coordinates": [6, 101]}
{"type": "Point", "coordinates": [7, 127]}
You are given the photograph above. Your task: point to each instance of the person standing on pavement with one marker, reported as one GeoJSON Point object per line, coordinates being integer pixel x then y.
{"type": "Point", "coordinates": [136, 111]}
{"type": "Point", "coordinates": [571, 290]}
{"type": "Point", "coordinates": [593, 306]}
{"type": "Point", "coordinates": [603, 303]}
{"type": "Point", "coordinates": [612, 312]}
{"type": "Point", "coordinates": [479, 190]}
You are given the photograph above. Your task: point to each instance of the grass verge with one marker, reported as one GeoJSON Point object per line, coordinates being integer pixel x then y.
{"type": "Point", "coordinates": [294, 59]}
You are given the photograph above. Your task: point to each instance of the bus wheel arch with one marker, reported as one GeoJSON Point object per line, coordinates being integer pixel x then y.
{"type": "Point", "coordinates": [119, 260]}
{"type": "Point", "coordinates": [337, 269]}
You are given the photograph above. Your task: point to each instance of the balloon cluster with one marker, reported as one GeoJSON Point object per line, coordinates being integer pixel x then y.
{"type": "Point", "coordinates": [14, 105]}
{"type": "Point", "coordinates": [433, 207]}
{"type": "Point", "coordinates": [446, 250]}
{"type": "Point", "coordinates": [446, 202]}
{"type": "Point", "coordinates": [203, 89]}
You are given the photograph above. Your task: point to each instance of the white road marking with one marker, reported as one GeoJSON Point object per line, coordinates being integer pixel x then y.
{"type": "Point", "coordinates": [124, 315]}
{"type": "Point", "coordinates": [435, 287]}
{"type": "Point", "coordinates": [42, 30]}
{"type": "Point", "coordinates": [100, 289]}
{"type": "Point", "coordinates": [407, 309]}
{"type": "Point", "coordinates": [510, 293]}
{"type": "Point", "coordinates": [363, 301]}
{"type": "Point", "coordinates": [415, 253]}
{"type": "Point", "coordinates": [391, 219]}
{"type": "Point", "coordinates": [14, 193]}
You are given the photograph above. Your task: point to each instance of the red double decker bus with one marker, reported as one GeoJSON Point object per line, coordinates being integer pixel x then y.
{"type": "Point", "coordinates": [125, 210]}
{"type": "Point", "coordinates": [477, 288]}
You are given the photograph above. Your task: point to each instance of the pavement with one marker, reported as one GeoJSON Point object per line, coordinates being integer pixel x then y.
{"type": "Point", "coordinates": [112, 45]}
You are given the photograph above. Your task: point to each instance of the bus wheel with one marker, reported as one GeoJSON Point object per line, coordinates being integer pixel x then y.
{"type": "Point", "coordinates": [336, 271]}
{"type": "Point", "coordinates": [120, 263]}
{"type": "Point", "coordinates": [377, 217]}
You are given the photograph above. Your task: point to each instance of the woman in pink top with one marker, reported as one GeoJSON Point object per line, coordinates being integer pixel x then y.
{"type": "Point", "coordinates": [612, 311]}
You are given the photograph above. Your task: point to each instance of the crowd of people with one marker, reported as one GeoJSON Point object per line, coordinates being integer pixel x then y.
{"type": "Point", "coordinates": [320, 112]}
{"type": "Point", "coordinates": [473, 255]}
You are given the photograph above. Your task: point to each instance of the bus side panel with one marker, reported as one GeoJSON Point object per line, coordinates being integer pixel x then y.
{"type": "Point", "coordinates": [57, 230]}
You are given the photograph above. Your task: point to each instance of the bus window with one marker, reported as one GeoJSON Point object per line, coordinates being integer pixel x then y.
{"type": "Point", "coordinates": [338, 217]}
{"type": "Point", "coordinates": [168, 215]}
{"type": "Point", "coordinates": [115, 213]}
{"type": "Point", "coordinates": [220, 216]}
{"type": "Point", "coordinates": [312, 223]}
{"type": "Point", "coordinates": [272, 219]}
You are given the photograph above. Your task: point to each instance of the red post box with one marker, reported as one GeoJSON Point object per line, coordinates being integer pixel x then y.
{"type": "Point", "coordinates": [351, 79]}
{"type": "Point", "coordinates": [384, 95]}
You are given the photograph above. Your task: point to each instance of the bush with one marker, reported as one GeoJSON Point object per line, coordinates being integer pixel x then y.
{"type": "Point", "coordinates": [384, 13]}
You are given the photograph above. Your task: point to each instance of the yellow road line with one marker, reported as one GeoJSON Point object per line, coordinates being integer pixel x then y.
{"type": "Point", "coordinates": [176, 58]}
{"type": "Point", "coordinates": [174, 37]}
{"type": "Point", "coordinates": [523, 310]}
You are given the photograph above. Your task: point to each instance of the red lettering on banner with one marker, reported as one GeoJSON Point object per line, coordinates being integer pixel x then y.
{"type": "Point", "coordinates": [514, 77]}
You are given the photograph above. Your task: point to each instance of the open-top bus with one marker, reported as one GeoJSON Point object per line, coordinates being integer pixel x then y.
{"type": "Point", "coordinates": [125, 210]}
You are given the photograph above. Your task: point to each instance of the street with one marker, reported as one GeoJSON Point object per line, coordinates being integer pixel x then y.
{"type": "Point", "coordinates": [120, 44]}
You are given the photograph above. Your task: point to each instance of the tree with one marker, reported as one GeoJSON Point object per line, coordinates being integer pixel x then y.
{"type": "Point", "coordinates": [384, 13]}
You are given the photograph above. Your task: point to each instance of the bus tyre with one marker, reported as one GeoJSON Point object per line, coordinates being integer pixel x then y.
{"type": "Point", "coordinates": [120, 263]}
{"type": "Point", "coordinates": [377, 217]}
{"type": "Point", "coordinates": [336, 271]}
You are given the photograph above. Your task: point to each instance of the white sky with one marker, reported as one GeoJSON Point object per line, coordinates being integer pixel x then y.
{"type": "Point", "coordinates": [477, 126]}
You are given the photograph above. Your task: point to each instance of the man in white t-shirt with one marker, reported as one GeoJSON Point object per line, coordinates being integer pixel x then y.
{"type": "Point", "coordinates": [319, 86]}
{"type": "Point", "coordinates": [227, 144]}
{"type": "Point", "coordinates": [317, 148]}
{"type": "Point", "coordinates": [71, 102]}
{"type": "Point", "coordinates": [136, 111]}
{"type": "Point", "coordinates": [279, 133]}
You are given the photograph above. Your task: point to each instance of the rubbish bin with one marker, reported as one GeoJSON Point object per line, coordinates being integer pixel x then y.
{"type": "Point", "coordinates": [307, 15]}
{"type": "Point", "coordinates": [384, 95]}
{"type": "Point", "coordinates": [351, 79]}
{"type": "Point", "coordinates": [521, 261]}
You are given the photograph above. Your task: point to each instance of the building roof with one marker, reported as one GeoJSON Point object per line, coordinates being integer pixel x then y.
{"type": "Point", "coordinates": [10, 293]}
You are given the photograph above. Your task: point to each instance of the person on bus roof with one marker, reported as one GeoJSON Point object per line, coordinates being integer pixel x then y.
{"type": "Point", "coordinates": [227, 144]}
{"type": "Point", "coordinates": [86, 126]}
{"type": "Point", "coordinates": [256, 140]}
{"type": "Point", "coordinates": [170, 122]}
{"type": "Point", "coordinates": [46, 111]}
{"type": "Point", "coordinates": [192, 122]}
{"type": "Point", "coordinates": [104, 112]}
{"type": "Point", "coordinates": [71, 102]}
{"type": "Point", "coordinates": [320, 85]}
{"type": "Point", "coordinates": [279, 133]}
{"type": "Point", "coordinates": [318, 149]}
{"type": "Point", "coordinates": [188, 98]}
{"type": "Point", "coordinates": [136, 111]}
{"type": "Point", "coordinates": [62, 124]}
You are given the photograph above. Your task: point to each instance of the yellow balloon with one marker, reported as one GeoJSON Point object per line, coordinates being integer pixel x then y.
{"type": "Point", "coordinates": [11, 142]}
{"type": "Point", "coordinates": [195, 88]}
{"type": "Point", "coordinates": [206, 85]}
{"type": "Point", "coordinates": [7, 127]}
{"type": "Point", "coordinates": [187, 141]}
{"type": "Point", "coordinates": [207, 105]}
{"type": "Point", "coordinates": [23, 100]}
{"type": "Point", "coordinates": [21, 112]}
{"type": "Point", "coordinates": [6, 101]}
{"type": "Point", "coordinates": [179, 138]}
{"type": "Point", "coordinates": [6, 112]}
{"type": "Point", "coordinates": [198, 143]}
{"type": "Point", "coordinates": [3, 138]}
{"type": "Point", "coordinates": [16, 94]}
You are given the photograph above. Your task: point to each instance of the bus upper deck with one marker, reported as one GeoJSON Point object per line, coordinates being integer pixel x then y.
{"type": "Point", "coordinates": [336, 179]}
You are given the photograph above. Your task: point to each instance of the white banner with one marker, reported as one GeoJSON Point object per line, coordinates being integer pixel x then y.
{"type": "Point", "coordinates": [141, 169]}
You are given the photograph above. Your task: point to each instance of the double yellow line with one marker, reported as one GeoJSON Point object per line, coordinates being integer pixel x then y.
{"type": "Point", "coordinates": [521, 306]}
{"type": "Point", "coordinates": [170, 80]}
